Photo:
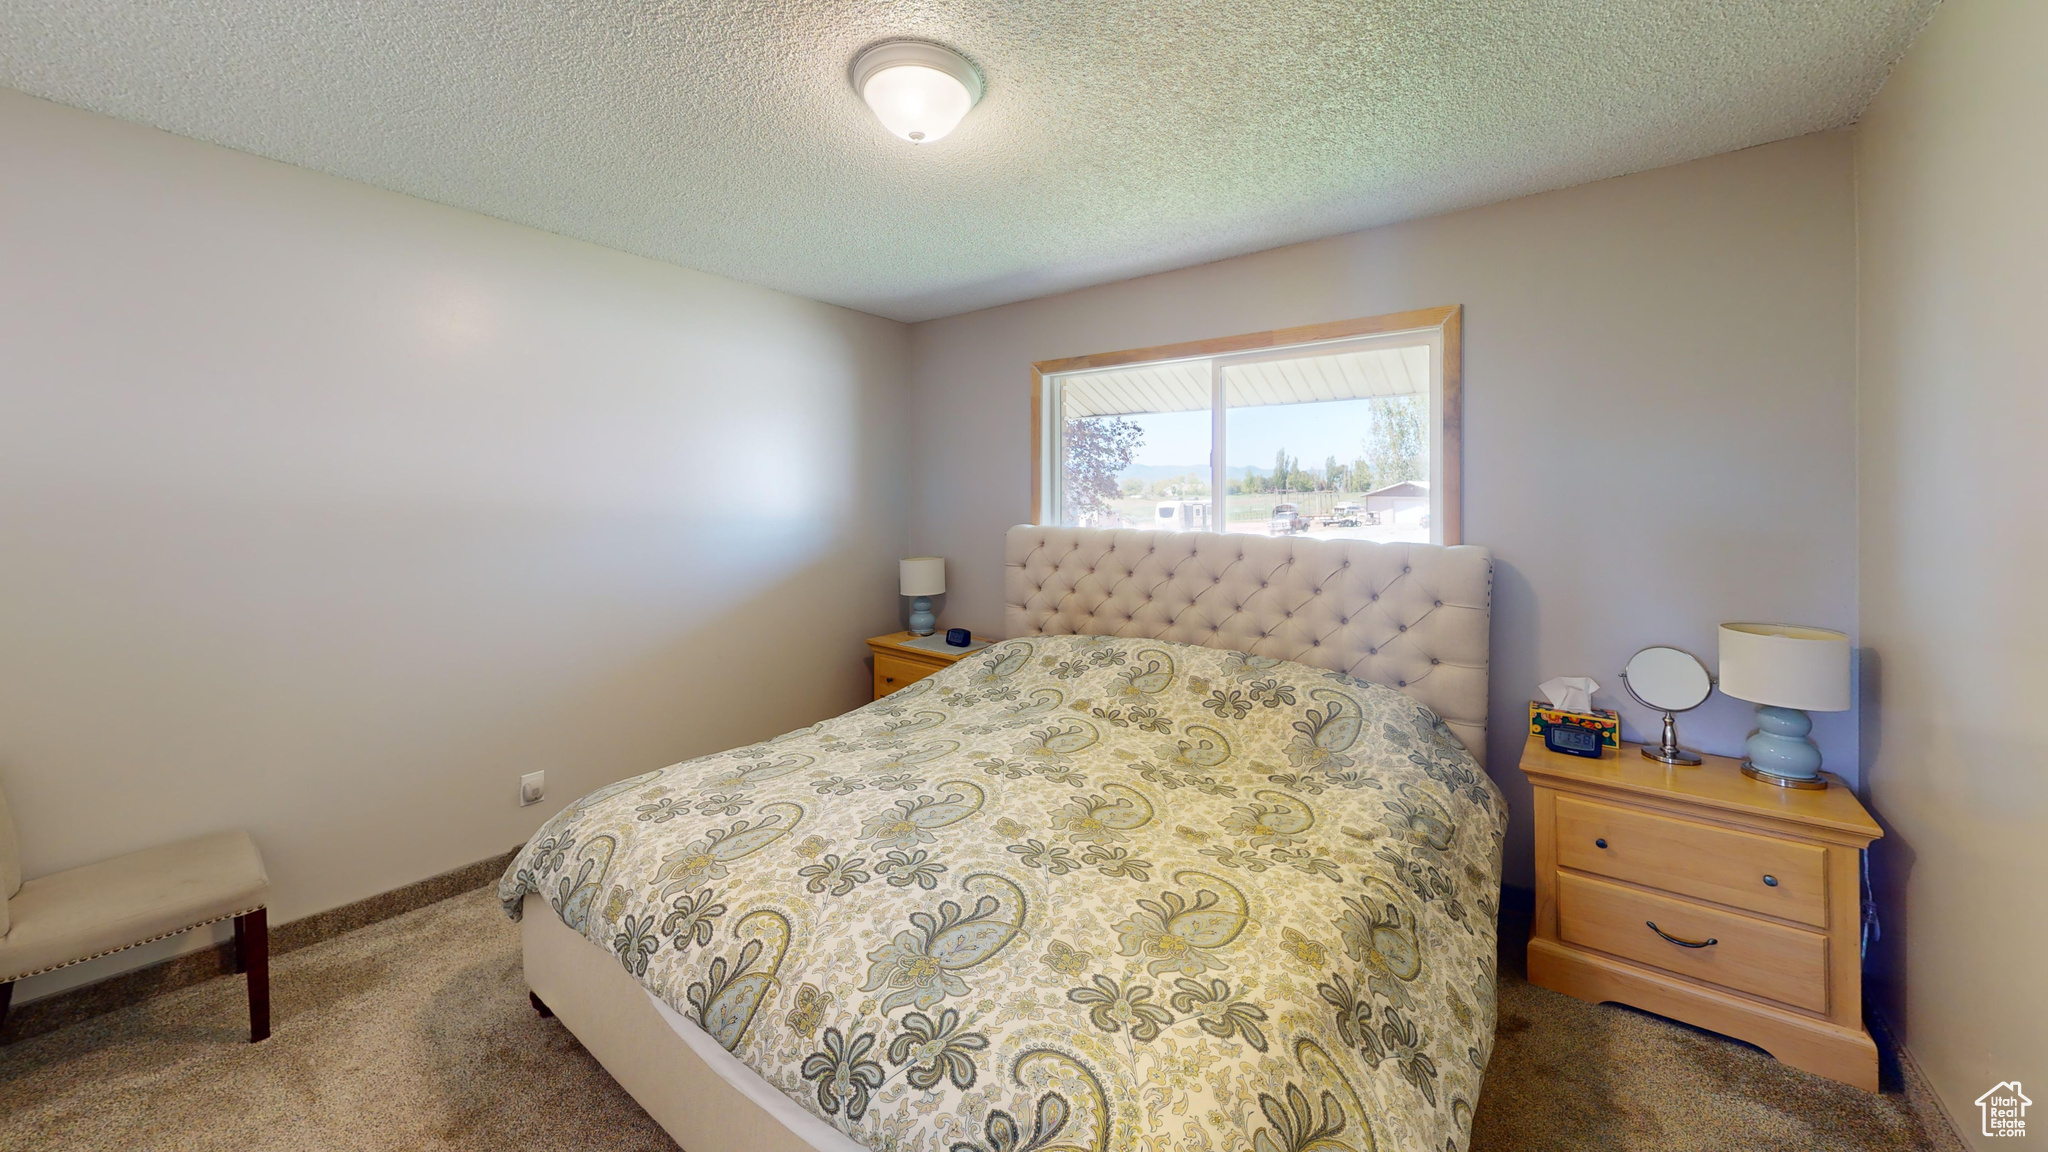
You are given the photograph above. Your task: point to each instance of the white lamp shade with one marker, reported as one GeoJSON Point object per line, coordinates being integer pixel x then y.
{"type": "Point", "coordinates": [1786, 666]}
{"type": "Point", "coordinates": [920, 105]}
{"type": "Point", "coordinates": [923, 576]}
{"type": "Point", "coordinates": [918, 91]}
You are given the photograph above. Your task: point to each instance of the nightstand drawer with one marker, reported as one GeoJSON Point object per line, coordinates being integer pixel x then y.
{"type": "Point", "coordinates": [1765, 874]}
{"type": "Point", "coordinates": [892, 673]}
{"type": "Point", "coordinates": [1789, 965]}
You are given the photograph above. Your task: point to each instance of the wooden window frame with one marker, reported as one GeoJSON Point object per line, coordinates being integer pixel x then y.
{"type": "Point", "coordinates": [1449, 414]}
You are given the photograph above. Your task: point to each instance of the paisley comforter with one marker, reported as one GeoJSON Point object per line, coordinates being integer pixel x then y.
{"type": "Point", "coordinates": [1077, 893]}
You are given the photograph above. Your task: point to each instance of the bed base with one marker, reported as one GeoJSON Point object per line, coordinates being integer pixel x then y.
{"type": "Point", "coordinates": [616, 1021]}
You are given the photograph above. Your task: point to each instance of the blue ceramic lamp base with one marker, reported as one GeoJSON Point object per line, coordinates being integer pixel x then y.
{"type": "Point", "coordinates": [1778, 752]}
{"type": "Point", "coordinates": [922, 622]}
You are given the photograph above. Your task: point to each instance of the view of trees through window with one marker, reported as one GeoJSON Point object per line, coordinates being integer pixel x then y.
{"type": "Point", "coordinates": [1098, 450]}
{"type": "Point", "coordinates": [1355, 465]}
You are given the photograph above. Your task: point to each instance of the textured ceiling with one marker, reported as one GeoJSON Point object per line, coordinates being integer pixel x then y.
{"type": "Point", "coordinates": [1114, 139]}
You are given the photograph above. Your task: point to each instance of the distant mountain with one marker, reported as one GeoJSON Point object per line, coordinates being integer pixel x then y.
{"type": "Point", "coordinates": [1154, 472]}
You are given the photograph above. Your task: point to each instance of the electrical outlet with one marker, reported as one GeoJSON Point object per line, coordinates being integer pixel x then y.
{"type": "Point", "coordinates": [532, 787]}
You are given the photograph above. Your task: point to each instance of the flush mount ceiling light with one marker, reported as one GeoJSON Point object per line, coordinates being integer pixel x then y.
{"type": "Point", "coordinates": [917, 90]}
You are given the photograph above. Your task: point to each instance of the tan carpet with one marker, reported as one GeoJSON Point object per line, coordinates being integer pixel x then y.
{"type": "Point", "coordinates": [415, 1034]}
{"type": "Point", "coordinates": [1571, 1075]}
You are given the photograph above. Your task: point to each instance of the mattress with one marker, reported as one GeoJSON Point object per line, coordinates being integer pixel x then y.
{"type": "Point", "coordinates": [1074, 892]}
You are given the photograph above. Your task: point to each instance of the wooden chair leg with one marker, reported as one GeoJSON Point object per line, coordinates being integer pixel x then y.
{"type": "Point", "coordinates": [252, 952]}
{"type": "Point", "coordinates": [540, 1005]}
{"type": "Point", "coordinates": [7, 994]}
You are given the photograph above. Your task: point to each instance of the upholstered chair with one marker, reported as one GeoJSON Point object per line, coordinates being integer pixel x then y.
{"type": "Point", "coordinates": [81, 914]}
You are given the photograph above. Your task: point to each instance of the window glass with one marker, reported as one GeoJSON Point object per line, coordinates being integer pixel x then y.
{"type": "Point", "coordinates": [1332, 446]}
{"type": "Point", "coordinates": [1333, 440]}
{"type": "Point", "coordinates": [1134, 447]}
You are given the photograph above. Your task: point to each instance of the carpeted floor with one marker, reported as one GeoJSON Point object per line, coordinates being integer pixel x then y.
{"type": "Point", "coordinates": [415, 1033]}
{"type": "Point", "coordinates": [1568, 1075]}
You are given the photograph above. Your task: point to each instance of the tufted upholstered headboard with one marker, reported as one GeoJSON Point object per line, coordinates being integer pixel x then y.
{"type": "Point", "coordinates": [1414, 617]}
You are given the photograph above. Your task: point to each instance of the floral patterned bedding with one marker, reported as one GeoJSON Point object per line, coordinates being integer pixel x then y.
{"type": "Point", "coordinates": [1077, 893]}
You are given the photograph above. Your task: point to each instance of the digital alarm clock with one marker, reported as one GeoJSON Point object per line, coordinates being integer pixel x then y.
{"type": "Point", "coordinates": [1572, 740]}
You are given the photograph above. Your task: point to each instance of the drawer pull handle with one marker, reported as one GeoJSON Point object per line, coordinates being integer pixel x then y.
{"type": "Point", "coordinates": [1600, 843]}
{"type": "Point", "coordinates": [1709, 941]}
{"type": "Point", "coordinates": [1770, 881]}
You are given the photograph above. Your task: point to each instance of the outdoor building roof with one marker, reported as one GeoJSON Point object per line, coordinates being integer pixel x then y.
{"type": "Point", "coordinates": [1184, 385]}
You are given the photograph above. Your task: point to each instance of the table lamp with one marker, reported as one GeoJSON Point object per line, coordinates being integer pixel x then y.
{"type": "Point", "coordinates": [1786, 671]}
{"type": "Point", "coordinates": [923, 577]}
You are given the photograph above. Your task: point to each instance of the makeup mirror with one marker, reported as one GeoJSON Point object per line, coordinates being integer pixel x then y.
{"type": "Point", "coordinates": [1670, 680]}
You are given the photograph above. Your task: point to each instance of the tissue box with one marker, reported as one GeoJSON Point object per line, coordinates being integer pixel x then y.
{"type": "Point", "coordinates": [1604, 721]}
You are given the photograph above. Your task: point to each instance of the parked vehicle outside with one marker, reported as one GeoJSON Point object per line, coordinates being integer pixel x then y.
{"type": "Point", "coordinates": [1183, 516]}
{"type": "Point", "coordinates": [1287, 520]}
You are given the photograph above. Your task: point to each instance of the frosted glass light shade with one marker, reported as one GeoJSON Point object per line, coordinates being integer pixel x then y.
{"type": "Point", "coordinates": [920, 92]}
{"type": "Point", "coordinates": [1786, 666]}
{"type": "Point", "coordinates": [923, 576]}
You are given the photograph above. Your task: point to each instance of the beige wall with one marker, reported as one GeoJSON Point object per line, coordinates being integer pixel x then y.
{"type": "Point", "coordinates": [1952, 188]}
{"type": "Point", "coordinates": [328, 512]}
{"type": "Point", "coordinates": [1664, 359]}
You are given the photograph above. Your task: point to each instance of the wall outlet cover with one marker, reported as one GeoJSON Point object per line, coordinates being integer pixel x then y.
{"type": "Point", "coordinates": [532, 787]}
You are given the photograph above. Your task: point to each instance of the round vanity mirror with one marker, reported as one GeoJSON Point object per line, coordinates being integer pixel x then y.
{"type": "Point", "coordinates": [1670, 680]}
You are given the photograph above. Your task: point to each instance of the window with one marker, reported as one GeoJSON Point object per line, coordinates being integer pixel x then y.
{"type": "Point", "coordinates": [1334, 431]}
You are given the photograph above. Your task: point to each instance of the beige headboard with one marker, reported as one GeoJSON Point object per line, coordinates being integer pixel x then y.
{"type": "Point", "coordinates": [1414, 617]}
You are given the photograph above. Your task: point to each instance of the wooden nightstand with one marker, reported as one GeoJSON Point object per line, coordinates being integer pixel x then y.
{"type": "Point", "coordinates": [897, 666]}
{"type": "Point", "coordinates": [1702, 895]}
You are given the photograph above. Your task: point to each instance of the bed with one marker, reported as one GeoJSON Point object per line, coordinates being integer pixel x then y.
{"type": "Point", "coordinates": [1197, 859]}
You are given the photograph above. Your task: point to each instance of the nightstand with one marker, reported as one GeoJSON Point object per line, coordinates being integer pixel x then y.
{"type": "Point", "coordinates": [897, 665]}
{"type": "Point", "coordinates": [1708, 897]}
